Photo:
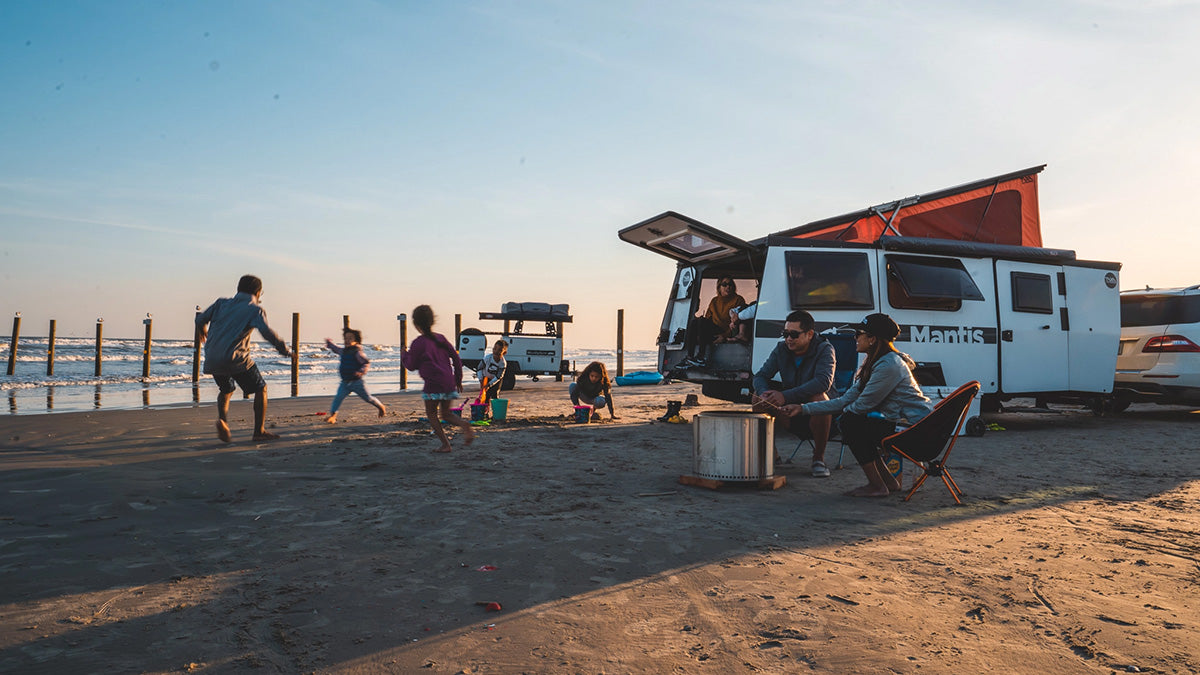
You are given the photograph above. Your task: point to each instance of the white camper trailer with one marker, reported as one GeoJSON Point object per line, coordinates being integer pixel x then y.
{"type": "Point", "coordinates": [529, 353]}
{"type": "Point", "coordinates": [1022, 320]}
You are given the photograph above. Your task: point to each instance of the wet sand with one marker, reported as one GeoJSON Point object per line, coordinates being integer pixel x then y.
{"type": "Point", "coordinates": [134, 541]}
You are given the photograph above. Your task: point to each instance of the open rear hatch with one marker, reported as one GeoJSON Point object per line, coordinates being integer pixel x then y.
{"type": "Point", "coordinates": [683, 239]}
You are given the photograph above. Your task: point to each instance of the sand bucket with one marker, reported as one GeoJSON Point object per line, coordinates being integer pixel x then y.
{"type": "Point", "coordinates": [478, 412]}
{"type": "Point", "coordinates": [499, 409]}
{"type": "Point", "coordinates": [583, 414]}
{"type": "Point", "coordinates": [457, 411]}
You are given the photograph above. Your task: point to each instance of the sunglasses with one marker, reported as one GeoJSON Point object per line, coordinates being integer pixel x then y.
{"type": "Point", "coordinates": [793, 334]}
{"type": "Point", "coordinates": [860, 333]}
{"type": "Point", "coordinates": [727, 283]}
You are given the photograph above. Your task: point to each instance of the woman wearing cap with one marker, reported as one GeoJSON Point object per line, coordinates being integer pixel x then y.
{"type": "Point", "coordinates": [884, 393]}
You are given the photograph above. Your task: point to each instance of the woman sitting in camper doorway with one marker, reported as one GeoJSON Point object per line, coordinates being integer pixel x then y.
{"type": "Point", "coordinates": [713, 324]}
{"type": "Point", "coordinates": [884, 393]}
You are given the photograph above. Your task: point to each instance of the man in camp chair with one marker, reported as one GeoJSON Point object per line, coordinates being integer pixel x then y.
{"type": "Point", "coordinates": [804, 362]}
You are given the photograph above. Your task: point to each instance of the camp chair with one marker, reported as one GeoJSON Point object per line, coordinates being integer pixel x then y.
{"type": "Point", "coordinates": [931, 439]}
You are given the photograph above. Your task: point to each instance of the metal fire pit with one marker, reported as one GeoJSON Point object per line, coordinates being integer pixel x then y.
{"type": "Point", "coordinates": [731, 445]}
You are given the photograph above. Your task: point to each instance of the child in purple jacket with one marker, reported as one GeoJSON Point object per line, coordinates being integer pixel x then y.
{"type": "Point", "coordinates": [437, 362]}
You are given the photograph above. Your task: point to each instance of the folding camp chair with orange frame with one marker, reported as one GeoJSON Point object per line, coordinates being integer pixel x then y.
{"type": "Point", "coordinates": [930, 440]}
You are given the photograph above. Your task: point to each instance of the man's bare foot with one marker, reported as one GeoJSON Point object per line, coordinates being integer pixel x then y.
{"type": "Point", "coordinates": [382, 410]}
{"type": "Point", "coordinates": [332, 419]}
{"type": "Point", "coordinates": [223, 431]}
{"type": "Point", "coordinates": [444, 448]}
{"type": "Point", "coordinates": [867, 491]}
{"type": "Point", "coordinates": [265, 436]}
{"type": "Point", "coordinates": [469, 433]}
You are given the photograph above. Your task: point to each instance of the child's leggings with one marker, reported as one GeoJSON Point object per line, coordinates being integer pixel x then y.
{"type": "Point", "coordinates": [345, 389]}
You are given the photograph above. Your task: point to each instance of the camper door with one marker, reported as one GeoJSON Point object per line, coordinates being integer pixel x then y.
{"type": "Point", "coordinates": [1033, 327]}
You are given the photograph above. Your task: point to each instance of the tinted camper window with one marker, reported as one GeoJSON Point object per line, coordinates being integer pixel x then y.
{"type": "Point", "coordinates": [1032, 293]}
{"type": "Point", "coordinates": [916, 282]}
{"type": "Point", "coordinates": [822, 280]}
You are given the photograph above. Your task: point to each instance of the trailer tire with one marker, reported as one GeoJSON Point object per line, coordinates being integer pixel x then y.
{"type": "Point", "coordinates": [975, 427]}
{"type": "Point", "coordinates": [1118, 404]}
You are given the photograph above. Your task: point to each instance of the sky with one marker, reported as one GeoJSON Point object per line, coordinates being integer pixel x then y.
{"type": "Point", "coordinates": [366, 157]}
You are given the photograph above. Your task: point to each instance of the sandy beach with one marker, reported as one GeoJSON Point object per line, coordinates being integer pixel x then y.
{"type": "Point", "coordinates": [135, 542]}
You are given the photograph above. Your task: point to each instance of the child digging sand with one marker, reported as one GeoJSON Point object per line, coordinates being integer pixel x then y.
{"type": "Point", "coordinates": [353, 366]}
{"type": "Point", "coordinates": [436, 360]}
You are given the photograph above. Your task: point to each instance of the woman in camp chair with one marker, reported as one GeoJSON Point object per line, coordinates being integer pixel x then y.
{"type": "Point", "coordinates": [884, 394]}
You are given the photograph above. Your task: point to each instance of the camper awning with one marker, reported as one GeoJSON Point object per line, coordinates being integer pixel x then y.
{"type": "Point", "coordinates": [998, 210]}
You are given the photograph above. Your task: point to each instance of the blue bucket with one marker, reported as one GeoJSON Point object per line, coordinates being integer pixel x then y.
{"type": "Point", "coordinates": [499, 409]}
{"type": "Point", "coordinates": [478, 412]}
{"type": "Point", "coordinates": [583, 414]}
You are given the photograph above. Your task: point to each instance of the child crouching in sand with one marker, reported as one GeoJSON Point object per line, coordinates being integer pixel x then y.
{"type": "Point", "coordinates": [436, 360]}
{"type": "Point", "coordinates": [353, 366]}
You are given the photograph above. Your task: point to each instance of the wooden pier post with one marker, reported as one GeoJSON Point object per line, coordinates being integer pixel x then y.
{"type": "Point", "coordinates": [99, 354]}
{"type": "Point", "coordinates": [620, 342]}
{"type": "Point", "coordinates": [146, 347]}
{"type": "Point", "coordinates": [12, 350]}
{"type": "Point", "coordinates": [558, 330]}
{"type": "Point", "coordinates": [403, 345]}
{"type": "Point", "coordinates": [50, 349]}
{"type": "Point", "coordinates": [457, 329]}
{"type": "Point", "coordinates": [196, 349]}
{"type": "Point", "coordinates": [296, 353]}
{"type": "Point", "coordinates": [345, 321]}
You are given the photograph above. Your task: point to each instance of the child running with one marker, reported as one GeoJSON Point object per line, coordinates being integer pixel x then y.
{"type": "Point", "coordinates": [353, 366]}
{"type": "Point", "coordinates": [436, 360]}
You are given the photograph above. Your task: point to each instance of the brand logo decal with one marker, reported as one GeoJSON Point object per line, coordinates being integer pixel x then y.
{"type": "Point", "coordinates": [968, 335]}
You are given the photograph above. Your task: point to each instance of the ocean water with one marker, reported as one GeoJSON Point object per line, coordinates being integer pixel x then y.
{"type": "Point", "coordinates": [74, 386]}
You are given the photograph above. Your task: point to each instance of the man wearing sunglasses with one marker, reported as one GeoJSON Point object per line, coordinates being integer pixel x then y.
{"type": "Point", "coordinates": [804, 362]}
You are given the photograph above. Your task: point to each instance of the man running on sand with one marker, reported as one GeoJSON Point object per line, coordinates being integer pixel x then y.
{"type": "Point", "coordinates": [225, 329]}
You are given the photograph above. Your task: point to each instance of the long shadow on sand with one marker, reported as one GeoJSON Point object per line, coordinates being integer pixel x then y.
{"type": "Point", "coordinates": [158, 548]}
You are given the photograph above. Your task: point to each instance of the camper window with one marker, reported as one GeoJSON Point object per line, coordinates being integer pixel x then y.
{"type": "Point", "coordinates": [916, 282]}
{"type": "Point", "coordinates": [824, 280]}
{"type": "Point", "coordinates": [1032, 293]}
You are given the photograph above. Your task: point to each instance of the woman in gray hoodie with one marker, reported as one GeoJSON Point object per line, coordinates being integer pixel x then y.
{"type": "Point", "coordinates": [884, 394]}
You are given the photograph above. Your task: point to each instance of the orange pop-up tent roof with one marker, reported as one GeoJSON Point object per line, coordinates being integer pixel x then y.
{"type": "Point", "coordinates": [998, 210]}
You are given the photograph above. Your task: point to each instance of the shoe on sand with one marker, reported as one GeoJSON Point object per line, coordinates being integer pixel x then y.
{"type": "Point", "coordinates": [819, 470]}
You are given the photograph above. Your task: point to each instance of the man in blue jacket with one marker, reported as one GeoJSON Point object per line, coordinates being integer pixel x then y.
{"type": "Point", "coordinates": [804, 362]}
{"type": "Point", "coordinates": [225, 327]}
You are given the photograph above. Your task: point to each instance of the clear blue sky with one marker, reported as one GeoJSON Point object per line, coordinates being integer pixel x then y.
{"type": "Point", "coordinates": [365, 157]}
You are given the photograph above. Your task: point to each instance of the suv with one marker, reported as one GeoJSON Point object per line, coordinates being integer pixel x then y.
{"type": "Point", "coordinates": [1158, 359]}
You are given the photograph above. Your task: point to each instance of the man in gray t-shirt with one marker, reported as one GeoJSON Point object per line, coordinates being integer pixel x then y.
{"type": "Point", "coordinates": [225, 328]}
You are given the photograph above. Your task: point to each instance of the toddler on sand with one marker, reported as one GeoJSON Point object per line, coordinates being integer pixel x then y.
{"type": "Point", "coordinates": [353, 366]}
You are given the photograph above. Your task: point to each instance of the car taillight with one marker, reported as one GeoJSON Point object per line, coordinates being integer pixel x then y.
{"type": "Point", "coordinates": [1170, 343]}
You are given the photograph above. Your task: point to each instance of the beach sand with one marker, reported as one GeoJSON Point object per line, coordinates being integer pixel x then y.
{"type": "Point", "coordinates": [134, 541]}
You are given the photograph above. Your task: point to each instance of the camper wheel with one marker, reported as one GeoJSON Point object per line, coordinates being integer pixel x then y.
{"type": "Point", "coordinates": [1118, 403]}
{"type": "Point", "coordinates": [975, 427]}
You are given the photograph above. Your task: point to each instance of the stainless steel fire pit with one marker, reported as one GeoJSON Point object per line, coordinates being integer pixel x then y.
{"type": "Point", "coordinates": [730, 445]}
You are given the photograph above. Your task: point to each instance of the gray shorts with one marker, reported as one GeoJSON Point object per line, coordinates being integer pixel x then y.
{"type": "Point", "coordinates": [250, 380]}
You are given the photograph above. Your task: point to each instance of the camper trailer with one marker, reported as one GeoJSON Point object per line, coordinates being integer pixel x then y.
{"type": "Point", "coordinates": [962, 271]}
{"type": "Point", "coordinates": [529, 353]}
